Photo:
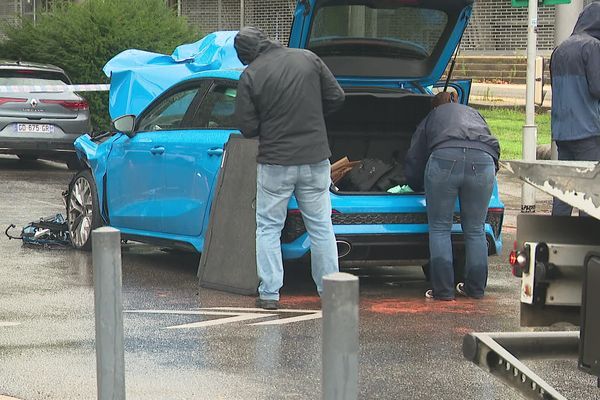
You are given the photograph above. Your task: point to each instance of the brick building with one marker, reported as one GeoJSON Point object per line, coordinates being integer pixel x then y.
{"type": "Point", "coordinates": [496, 27]}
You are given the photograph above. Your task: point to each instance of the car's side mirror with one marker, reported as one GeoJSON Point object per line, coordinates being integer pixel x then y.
{"type": "Point", "coordinates": [125, 124]}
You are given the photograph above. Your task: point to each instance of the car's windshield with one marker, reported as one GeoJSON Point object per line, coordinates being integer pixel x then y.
{"type": "Point", "coordinates": [393, 30]}
{"type": "Point", "coordinates": [19, 77]}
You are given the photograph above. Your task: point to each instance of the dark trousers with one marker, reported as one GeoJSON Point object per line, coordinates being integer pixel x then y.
{"type": "Point", "coordinates": [575, 150]}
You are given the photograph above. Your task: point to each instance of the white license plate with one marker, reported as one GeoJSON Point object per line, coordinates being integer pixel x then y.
{"type": "Point", "coordinates": [35, 128]}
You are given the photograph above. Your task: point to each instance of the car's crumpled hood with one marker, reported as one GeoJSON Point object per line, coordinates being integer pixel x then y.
{"type": "Point", "coordinates": [137, 77]}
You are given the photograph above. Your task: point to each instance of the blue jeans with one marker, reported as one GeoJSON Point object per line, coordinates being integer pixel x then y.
{"type": "Point", "coordinates": [575, 150]}
{"type": "Point", "coordinates": [466, 174]}
{"type": "Point", "coordinates": [275, 185]}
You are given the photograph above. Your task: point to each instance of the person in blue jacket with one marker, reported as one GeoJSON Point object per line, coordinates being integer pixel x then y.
{"type": "Point", "coordinates": [454, 155]}
{"type": "Point", "coordinates": [575, 73]}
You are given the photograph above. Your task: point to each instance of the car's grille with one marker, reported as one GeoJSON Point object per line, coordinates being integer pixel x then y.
{"type": "Point", "coordinates": [294, 225]}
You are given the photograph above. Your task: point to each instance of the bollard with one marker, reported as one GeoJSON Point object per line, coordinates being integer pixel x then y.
{"type": "Point", "coordinates": [340, 337]}
{"type": "Point", "coordinates": [110, 359]}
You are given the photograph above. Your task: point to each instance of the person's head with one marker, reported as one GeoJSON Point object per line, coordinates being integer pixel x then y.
{"type": "Point", "coordinates": [443, 98]}
{"type": "Point", "coordinates": [589, 20]}
{"type": "Point", "coordinates": [249, 43]}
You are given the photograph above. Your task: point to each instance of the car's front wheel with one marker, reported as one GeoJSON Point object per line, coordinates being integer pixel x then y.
{"type": "Point", "coordinates": [83, 213]}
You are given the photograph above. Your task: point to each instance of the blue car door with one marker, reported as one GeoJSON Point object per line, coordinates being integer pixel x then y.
{"type": "Point", "coordinates": [192, 160]}
{"type": "Point", "coordinates": [138, 171]}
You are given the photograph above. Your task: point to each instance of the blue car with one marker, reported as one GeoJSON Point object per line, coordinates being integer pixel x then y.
{"type": "Point", "coordinates": [154, 178]}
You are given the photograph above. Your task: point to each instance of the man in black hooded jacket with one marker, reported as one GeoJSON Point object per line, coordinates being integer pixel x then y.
{"type": "Point", "coordinates": [282, 98]}
{"type": "Point", "coordinates": [575, 71]}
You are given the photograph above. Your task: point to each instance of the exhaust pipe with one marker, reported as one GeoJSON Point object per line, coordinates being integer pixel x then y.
{"type": "Point", "coordinates": [344, 248]}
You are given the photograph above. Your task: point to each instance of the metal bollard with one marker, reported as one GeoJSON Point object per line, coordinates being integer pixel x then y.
{"type": "Point", "coordinates": [340, 337]}
{"type": "Point", "coordinates": [110, 358]}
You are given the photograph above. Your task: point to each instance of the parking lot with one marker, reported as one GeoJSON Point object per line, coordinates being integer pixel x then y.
{"type": "Point", "coordinates": [185, 342]}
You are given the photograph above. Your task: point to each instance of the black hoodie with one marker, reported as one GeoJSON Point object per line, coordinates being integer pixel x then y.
{"type": "Point", "coordinates": [282, 98]}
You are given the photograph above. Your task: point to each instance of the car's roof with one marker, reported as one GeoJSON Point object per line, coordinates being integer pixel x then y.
{"type": "Point", "coordinates": [233, 74]}
{"type": "Point", "coordinates": [12, 64]}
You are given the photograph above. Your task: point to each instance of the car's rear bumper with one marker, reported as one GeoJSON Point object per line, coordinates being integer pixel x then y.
{"type": "Point", "coordinates": [385, 236]}
{"type": "Point", "coordinates": [388, 247]}
{"type": "Point", "coordinates": [43, 143]}
{"type": "Point", "coordinates": [62, 144]}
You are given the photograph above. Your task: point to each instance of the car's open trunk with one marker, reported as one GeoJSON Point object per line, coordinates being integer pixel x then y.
{"type": "Point", "coordinates": [376, 126]}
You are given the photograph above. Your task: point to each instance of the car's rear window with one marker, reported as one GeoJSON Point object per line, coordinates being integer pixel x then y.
{"type": "Point", "coordinates": [392, 30]}
{"type": "Point", "coordinates": [10, 77]}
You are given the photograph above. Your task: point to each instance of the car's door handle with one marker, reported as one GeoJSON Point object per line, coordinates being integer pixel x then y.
{"type": "Point", "coordinates": [158, 150]}
{"type": "Point", "coordinates": [217, 151]}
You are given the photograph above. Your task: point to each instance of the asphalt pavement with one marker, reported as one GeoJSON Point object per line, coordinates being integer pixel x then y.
{"type": "Point", "coordinates": [184, 342]}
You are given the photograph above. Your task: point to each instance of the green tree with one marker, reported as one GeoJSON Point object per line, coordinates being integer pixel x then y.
{"type": "Point", "coordinates": [82, 37]}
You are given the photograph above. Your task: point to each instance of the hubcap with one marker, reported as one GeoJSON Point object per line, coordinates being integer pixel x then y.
{"type": "Point", "coordinates": [80, 212]}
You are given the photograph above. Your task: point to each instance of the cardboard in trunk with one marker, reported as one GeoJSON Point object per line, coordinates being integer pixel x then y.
{"type": "Point", "coordinates": [228, 260]}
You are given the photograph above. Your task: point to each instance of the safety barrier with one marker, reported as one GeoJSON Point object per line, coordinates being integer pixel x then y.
{"type": "Point", "coordinates": [108, 305]}
{"type": "Point", "coordinates": [54, 88]}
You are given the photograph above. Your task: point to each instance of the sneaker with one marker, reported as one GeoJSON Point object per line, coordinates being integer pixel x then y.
{"type": "Point", "coordinates": [460, 289]}
{"type": "Point", "coordinates": [429, 295]}
{"type": "Point", "coordinates": [267, 304]}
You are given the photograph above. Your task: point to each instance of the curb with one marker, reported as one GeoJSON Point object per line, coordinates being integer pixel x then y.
{"type": "Point", "coordinates": [512, 106]}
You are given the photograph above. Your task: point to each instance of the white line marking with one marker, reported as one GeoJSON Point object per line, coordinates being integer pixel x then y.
{"type": "Point", "coordinates": [288, 320]}
{"type": "Point", "coordinates": [281, 310]}
{"type": "Point", "coordinates": [198, 312]}
{"type": "Point", "coordinates": [3, 324]}
{"type": "Point", "coordinates": [236, 314]}
{"type": "Point", "coordinates": [46, 202]}
{"type": "Point", "coordinates": [221, 321]}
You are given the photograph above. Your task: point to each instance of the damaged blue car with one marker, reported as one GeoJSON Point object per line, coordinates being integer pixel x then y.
{"type": "Point", "coordinates": [154, 177]}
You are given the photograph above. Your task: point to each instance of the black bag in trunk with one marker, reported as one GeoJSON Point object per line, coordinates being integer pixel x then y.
{"type": "Point", "coordinates": [393, 177]}
{"type": "Point", "coordinates": [365, 175]}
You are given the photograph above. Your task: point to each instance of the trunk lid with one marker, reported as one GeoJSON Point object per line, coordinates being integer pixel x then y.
{"type": "Point", "coordinates": [382, 42]}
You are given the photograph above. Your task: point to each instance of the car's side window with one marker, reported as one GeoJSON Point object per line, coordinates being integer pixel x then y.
{"type": "Point", "coordinates": [169, 113]}
{"type": "Point", "coordinates": [217, 108]}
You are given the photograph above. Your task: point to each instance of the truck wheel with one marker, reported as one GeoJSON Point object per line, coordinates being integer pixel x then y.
{"type": "Point", "coordinates": [83, 213]}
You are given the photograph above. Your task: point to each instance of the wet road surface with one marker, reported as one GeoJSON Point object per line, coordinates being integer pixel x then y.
{"type": "Point", "coordinates": [182, 342]}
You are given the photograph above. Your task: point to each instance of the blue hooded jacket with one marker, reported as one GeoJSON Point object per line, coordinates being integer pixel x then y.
{"type": "Point", "coordinates": [575, 71]}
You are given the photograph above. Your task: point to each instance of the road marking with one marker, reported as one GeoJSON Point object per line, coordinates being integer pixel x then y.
{"type": "Point", "coordinates": [288, 320]}
{"type": "Point", "coordinates": [236, 314]}
{"type": "Point", "coordinates": [310, 314]}
{"type": "Point", "coordinates": [3, 324]}
{"type": "Point", "coordinates": [46, 202]}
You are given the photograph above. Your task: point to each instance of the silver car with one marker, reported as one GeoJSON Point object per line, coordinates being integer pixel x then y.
{"type": "Point", "coordinates": [40, 122]}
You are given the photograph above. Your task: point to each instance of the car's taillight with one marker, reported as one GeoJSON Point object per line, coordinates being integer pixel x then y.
{"type": "Point", "coordinates": [4, 100]}
{"type": "Point", "coordinates": [76, 105]}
